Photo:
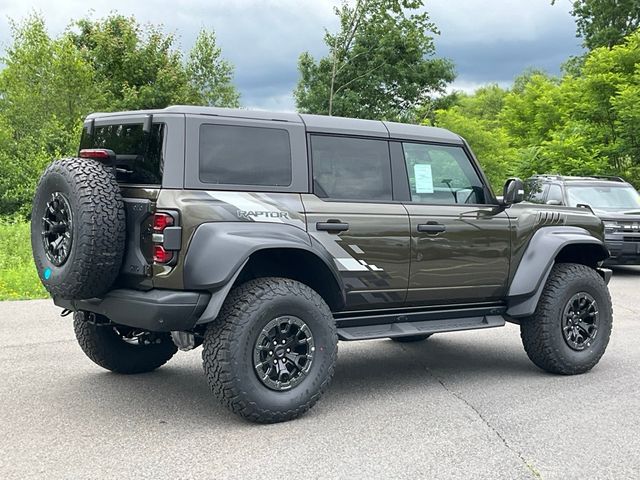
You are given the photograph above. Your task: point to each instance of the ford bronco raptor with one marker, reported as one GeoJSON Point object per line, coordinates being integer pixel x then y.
{"type": "Point", "coordinates": [267, 237]}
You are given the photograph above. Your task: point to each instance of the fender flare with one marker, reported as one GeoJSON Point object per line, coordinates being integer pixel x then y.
{"type": "Point", "coordinates": [218, 251]}
{"type": "Point", "coordinates": [536, 264]}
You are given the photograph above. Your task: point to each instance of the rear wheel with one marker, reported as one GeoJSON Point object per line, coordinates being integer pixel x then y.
{"type": "Point", "coordinates": [570, 329]}
{"type": "Point", "coordinates": [411, 338]}
{"type": "Point", "coordinates": [270, 355]}
{"type": "Point", "coordinates": [122, 349]}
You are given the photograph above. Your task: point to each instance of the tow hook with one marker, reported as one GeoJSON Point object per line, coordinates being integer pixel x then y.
{"type": "Point", "coordinates": [185, 341]}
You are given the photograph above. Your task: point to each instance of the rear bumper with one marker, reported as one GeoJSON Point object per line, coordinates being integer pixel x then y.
{"type": "Point", "coordinates": [155, 310]}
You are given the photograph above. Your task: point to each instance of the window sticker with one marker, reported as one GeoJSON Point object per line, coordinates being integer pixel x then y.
{"type": "Point", "coordinates": [424, 178]}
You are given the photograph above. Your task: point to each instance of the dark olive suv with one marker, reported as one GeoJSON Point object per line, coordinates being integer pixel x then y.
{"type": "Point", "coordinates": [612, 199]}
{"type": "Point", "coordinates": [267, 237]}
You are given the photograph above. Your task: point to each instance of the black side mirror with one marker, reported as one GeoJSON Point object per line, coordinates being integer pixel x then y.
{"type": "Point", "coordinates": [513, 191]}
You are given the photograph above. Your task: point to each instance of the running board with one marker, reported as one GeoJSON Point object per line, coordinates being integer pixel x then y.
{"type": "Point", "coordinates": [402, 329]}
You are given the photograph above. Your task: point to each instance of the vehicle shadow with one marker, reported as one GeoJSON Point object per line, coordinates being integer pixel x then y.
{"type": "Point", "coordinates": [626, 270]}
{"type": "Point", "coordinates": [178, 392]}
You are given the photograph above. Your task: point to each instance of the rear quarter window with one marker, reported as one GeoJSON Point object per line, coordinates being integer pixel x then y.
{"type": "Point", "coordinates": [243, 155]}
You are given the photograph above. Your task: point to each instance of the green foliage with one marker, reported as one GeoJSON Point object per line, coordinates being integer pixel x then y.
{"type": "Point", "coordinates": [18, 276]}
{"type": "Point", "coordinates": [209, 74]}
{"type": "Point", "coordinates": [380, 64]}
{"type": "Point", "coordinates": [576, 125]}
{"type": "Point", "coordinates": [475, 118]}
{"type": "Point", "coordinates": [48, 85]}
{"type": "Point", "coordinates": [605, 23]}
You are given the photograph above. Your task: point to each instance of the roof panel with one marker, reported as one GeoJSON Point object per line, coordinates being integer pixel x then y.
{"type": "Point", "coordinates": [215, 111]}
{"type": "Point", "coordinates": [344, 126]}
{"type": "Point", "coordinates": [405, 131]}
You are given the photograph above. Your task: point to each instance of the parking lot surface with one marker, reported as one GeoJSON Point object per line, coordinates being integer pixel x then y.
{"type": "Point", "coordinates": [460, 405]}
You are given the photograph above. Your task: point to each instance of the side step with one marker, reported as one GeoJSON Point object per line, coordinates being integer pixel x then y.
{"type": "Point", "coordinates": [401, 329]}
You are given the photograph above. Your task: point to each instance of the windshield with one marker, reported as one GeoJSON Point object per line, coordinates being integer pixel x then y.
{"type": "Point", "coordinates": [604, 197]}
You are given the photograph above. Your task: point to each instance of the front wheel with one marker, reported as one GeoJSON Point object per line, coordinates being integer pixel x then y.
{"type": "Point", "coordinates": [122, 349]}
{"type": "Point", "coordinates": [570, 329]}
{"type": "Point", "coordinates": [271, 353]}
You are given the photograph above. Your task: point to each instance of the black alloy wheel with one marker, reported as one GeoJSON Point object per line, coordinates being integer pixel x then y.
{"type": "Point", "coordinates": [57, 229]}
{"type": "Point", "coordinates": [580, 321]}
{"type": "Point", "coordinates": [283, 353]}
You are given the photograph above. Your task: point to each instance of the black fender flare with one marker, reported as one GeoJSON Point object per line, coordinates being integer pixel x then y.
{"type": "Point", "coordinates": [536, 263]}
{"type": "Point", "coordinates": [218, 251]}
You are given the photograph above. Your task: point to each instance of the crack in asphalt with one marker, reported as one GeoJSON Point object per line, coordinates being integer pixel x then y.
{"type": "Point", "coordinates": [528, 465]}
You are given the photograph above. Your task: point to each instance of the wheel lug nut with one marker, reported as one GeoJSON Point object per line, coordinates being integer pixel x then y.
{"type": "Point", "coordinates": [275, 361]}
{"type": "Point", "coordinates": [288, 350]}
{"type": "Point", "coordinates": [275, 343]}
{"type": "Point", "coordinates": [283, 342]}
{"type": "Point", "coordinates": [270, 352]}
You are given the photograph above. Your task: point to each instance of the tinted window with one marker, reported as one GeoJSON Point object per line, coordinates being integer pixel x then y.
{"type": "Point", "coordinates": [534, 191]}
{"type": "Point", "coordinates": [351, 168]}
{"type": "Point", "coordinates": [233, 155]}
{"type": "Point", "coordinates": [138, 156]}
{"type": "Point", "coordinates": [555, 194]}
{"type": "Point", "coordinates": [441, 174]}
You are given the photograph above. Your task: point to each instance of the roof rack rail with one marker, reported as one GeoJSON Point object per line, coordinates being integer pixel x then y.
{"type": "Point", "coordinates": [549, 175]}
{"type": "Point", "coordinates": [613, 178]}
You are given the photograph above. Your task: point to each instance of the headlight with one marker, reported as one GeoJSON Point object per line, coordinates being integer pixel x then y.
{"type": "Point", "coordinates": [610, 226]}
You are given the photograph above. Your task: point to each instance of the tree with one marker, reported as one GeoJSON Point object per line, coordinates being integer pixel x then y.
{"type": "Point", "coordinates": [140, 66]}
{"type": "Point", "coordinates": [380, 64]}
{"type": "Point", "coordinates": [605, 23]}
{"type": "Point", "coordinates": [48, 85]}
{"type": "Point", "coordinates": [46, 88]}
{"type": "Point", "coordinates": [209, 74]}
{"type": "Point", "coordinates": [475, 118]}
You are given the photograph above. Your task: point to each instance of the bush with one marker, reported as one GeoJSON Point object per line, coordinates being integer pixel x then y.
{"type": "Point", "coordinates": [18, 277]}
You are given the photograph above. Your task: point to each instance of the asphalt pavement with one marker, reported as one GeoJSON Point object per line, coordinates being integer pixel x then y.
{"type": "Point", "coordinates": [460, 405]}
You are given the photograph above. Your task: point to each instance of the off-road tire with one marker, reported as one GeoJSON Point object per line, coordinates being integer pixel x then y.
{"type": "Point", "coordinates": [411, 338]}
{"type": "Point", "coordinates": [229, 344]}
{"type": "Point", "coordinates": [107, 349]}
{"type": "Point", "coordinates": [542, 334]}
{"type": "Point", "coordinates": [97, 228]}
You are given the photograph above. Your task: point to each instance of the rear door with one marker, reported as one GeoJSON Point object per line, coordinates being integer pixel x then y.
{"type": "Point", "coordinates": [352, 213]}
{"type": "Point", "coordinates": [460, 245]}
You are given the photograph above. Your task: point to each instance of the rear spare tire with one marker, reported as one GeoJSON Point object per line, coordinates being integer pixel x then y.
{"type": "Point", "coordinates": [77, 228]}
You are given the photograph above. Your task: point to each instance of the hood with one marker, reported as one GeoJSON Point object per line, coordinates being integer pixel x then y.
{"type": "Point", "coordinates": [620, 216]}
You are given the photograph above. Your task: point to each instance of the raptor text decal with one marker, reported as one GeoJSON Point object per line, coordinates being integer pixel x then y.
{"type": "Point", "coordinates": [251, 214]}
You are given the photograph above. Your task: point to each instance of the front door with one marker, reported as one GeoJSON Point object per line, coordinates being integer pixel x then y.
{"type": "Point", "coordinates": [353, 215]}
{"type": "Point", "coordinates": [460, 246]}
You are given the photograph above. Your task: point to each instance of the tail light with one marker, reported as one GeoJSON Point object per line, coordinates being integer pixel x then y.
{"type": "Point", "coordinates": [160, 255]}
{"type": "Point", "coordinates": [167, 237]}
{"type": "Point", "coordinates": [161, 221]}
{"type": "Point", "coordinates": [97, 153]}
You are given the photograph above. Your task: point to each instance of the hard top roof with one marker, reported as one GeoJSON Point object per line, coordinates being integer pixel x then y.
{"type": "Point", "coordinates": [594, 179]}
{"type": "Point", "coordinates": [312, 123]}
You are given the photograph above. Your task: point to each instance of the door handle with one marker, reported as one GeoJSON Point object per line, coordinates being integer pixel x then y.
{"type": "Point", "coordinates": [333, 226]}
{"type": "Point", "coordinates": [431, 227]}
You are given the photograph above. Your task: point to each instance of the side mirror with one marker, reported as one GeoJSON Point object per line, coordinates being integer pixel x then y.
{"type": "Point", "coordinates": [513, 191]}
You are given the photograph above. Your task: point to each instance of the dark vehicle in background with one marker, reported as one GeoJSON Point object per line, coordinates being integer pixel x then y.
{"type": "Point", "coordinates": [612, 199]}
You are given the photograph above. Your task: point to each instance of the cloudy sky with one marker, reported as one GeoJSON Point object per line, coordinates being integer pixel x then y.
{"type": "Point", "coordinates": [488, 40]}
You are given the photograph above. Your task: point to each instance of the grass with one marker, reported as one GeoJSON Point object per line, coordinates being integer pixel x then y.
{"type": "Point", "coordinates": [18, 277]}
